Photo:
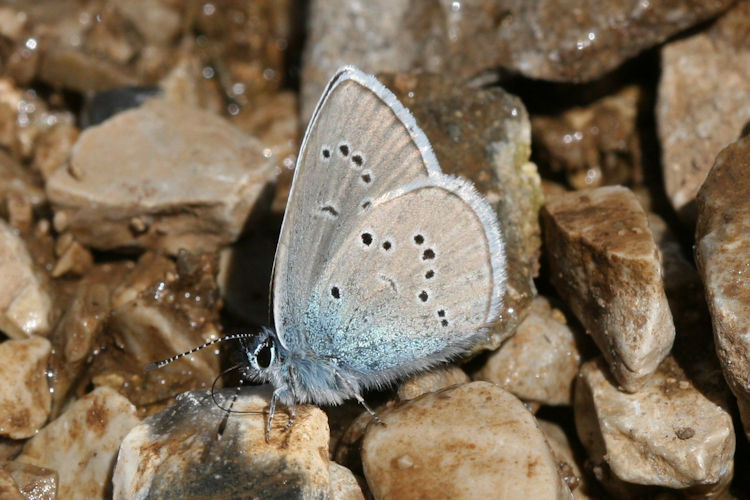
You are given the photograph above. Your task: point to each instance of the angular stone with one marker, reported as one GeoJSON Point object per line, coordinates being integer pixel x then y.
{"type": "Point", "coordinates": [698, 113]}
{"type": "Point", "coordinates": [29, 481]}
{"type": "Point", "coordinates": [541, 39]}
{"type": "Point", "coordinates": [431, 381]}
{"type": "Point", "coordinates": [25, 397]}
{"type": "Point", "coordinates": [606, 266]}
{"type": "Point", "coordinates": [195, 449]}
{"type": "Point", "coordinates": [484, 135]}
{"type": "Point", "coordinates": [161, 176]}
{"type": "Point", "coordinates": [722, 254]}
{"type": "Point", "coordinates": [26, 306]}
{"type": "Point", "coordinates": [469, 441]}
{"type": "Point", "coordinates": [82, 443]}
{"type": "Point", "coordinates": [540, 362]}
{"type": "Point", "coordinates": [675, 432]}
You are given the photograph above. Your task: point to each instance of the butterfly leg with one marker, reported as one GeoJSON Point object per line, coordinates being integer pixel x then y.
{"type": "Point", "coordinates": [358, 397]}
{"type": "Point", "coordinates": [280, 394]}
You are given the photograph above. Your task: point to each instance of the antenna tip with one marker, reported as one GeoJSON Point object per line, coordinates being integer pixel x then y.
{"type": "Point", "coordinates": [151, 366]}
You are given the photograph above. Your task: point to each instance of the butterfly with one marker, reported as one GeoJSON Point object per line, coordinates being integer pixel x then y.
{"type": "Point", "coordinates": [385, 266]}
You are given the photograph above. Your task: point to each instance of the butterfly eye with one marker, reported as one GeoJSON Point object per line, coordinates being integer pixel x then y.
{"type": "Point", "coordinates": [264, 354]}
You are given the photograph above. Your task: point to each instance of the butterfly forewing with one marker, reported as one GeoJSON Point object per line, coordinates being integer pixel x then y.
{"type": "Point", "coordinates": [357, 148]}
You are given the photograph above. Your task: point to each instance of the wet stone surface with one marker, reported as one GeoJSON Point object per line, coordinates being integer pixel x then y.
{"type": "Point", "coordinates": [606, 265]}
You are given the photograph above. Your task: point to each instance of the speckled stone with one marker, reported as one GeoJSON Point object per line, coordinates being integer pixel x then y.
{"type": "Point", "coordinates": [723, 257]}
{"type": "Point", "coordinates": [25, 396]}
{"type": "Point", "coordinates": [702, 104]}
{"type": "Point", "coordinates": [675, 432]}
{"type": "Point", "coordinates": [26, 306]}
{"type": "Point", "coordinates": [469, 441]}
{"type": "Point", "coordinates": [176, 177]}
{"type": "Point", "coordinates": [540, 362]}
{"type": "Point", "coordinates": [81, 444]}
{"type": "Point", "coordinates": [177, 453]}
{"type": "Point", "coordinates": [606, 266]}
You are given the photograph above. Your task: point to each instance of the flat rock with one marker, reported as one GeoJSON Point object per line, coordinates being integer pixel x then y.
{"type": "Point", "coordinates": [541, 39]}
{"type": "Point", "coordinates": [161, 176]}
{"type": "Point", "coordinates": [697, 113]}
{"type": "Point", "coordinates": [82, 443]}
{"type": "Point", "coordinates": [470, 441]}
{"type": "Point", "coordinates": [179, 453]}
{"type": "Point", "coordinates": [723, 257]}
{"type": "Point", "coordinates": [540, 362]}
{"type": "Point", "coordinates": [484, 135]}
{"type": "Point", "coordinates": [26, 306]}
{"type": "Point", "coordinates": [672, 433]}
{"type": "Point", "coordinates": [25, 397]}
{"type": "Point", "coordinates": [606, 266]}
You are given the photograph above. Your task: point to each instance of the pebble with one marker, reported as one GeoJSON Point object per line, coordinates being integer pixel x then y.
{"type": "Point", "coordinates": [469, 441]}
{"type": "Point", "coordinates": [25, 398]}
{"type": "Point", "coordinates": [723, 257]}
{"type": "Point", "coordinates": [189, 450]}
{"type": "Point", "coordinates": [82, 443]}
{"type": "Point", "coordinates": [672, 433]}
{"type": "Point", "coordinates": [193, 188]}
{"type": "Point", "coordinates": [26, 304]}
{"type": "Point", "coordinates": [605, 264]}
{"type": "Point", "coordinates": [540, 362]}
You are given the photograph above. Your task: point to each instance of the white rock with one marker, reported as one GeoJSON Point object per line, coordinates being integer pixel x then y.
{"type": "Point", "coordinates": [469, 441]}
{"type": "Point", "coordinates": [24, 398]}
{"type": "Point", "coordinates": [81, 444]}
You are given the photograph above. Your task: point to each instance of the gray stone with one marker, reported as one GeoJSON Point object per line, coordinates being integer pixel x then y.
{"type": "Point", "coordinates": [195, 449]}
{"type": "Point", "coordinates": [161, 176]}
{"type": "Point", "coordinates": [606, 266]}
{"type": "Point", "coordinates": [542, 39]}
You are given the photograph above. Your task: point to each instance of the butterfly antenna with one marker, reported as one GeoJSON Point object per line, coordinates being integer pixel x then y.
{"type": "Point", "coordinates": [233, 336]}
{"type": "Point", "coordinates": [236, 394]}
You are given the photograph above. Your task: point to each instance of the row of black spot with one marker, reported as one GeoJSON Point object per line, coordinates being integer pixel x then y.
{"type": "Point", "coordinates": [357, 158]}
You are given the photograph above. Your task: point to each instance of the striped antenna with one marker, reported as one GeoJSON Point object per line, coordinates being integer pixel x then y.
{"type": "Point", "coordinates": [233, 336]}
